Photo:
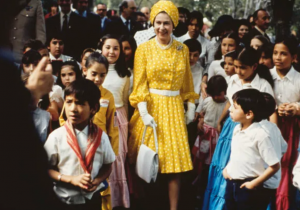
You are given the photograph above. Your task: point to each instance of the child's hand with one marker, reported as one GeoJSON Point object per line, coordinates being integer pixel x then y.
{"type": "Point", "coordinates": [83, 181]}
{"type": "Point", "coordinates": [226, 175]}
{"type": "Point", "coordinates": [248, 185]}
{"type": "Point", "coordinates": [290, 110]}
{"type": "Point", "coordinates": [95, 183]}
{"type": "Point", "coordinates": [281, 109]}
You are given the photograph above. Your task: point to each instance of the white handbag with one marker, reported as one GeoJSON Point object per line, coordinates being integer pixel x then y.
{"type": "Point", "coordinates": [147, 160]}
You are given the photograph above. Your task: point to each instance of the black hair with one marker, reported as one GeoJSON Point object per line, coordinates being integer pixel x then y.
{"type": "Point", "coordinates": [53, 4]}
{"type": "Point", "coordinates": [74, 66]}
{"type": "Point", "coordinates": [223, 24]}
{"type": "Point", "coordinates": [193, 45]}
{"type": "Point", "coordinates": [182, 10]}
{"type": "Point", "coordinates": [232, 35]}
{"type": "Point", "coordinates": [242, 22]}
{"type": "Point", "coordinates": [250, 100]}
{"type": "Point", "coordinates": [139, 14]}
{"type": "Point", "coordinates": [120, 63]}
{"type": "Point", "coordinates": [123, 4]}
{"type": "Point", "coordinates": [263, 40]}
{"type": "Point", "coordinates": [255, 14]}
{"type": "Point", "coordinates": [216, 85]}
{"type": "Point", "coordinates": [133, 46]}
{"type": "Point", "coordinates": [85, 90]}
{"type": "Point", "coordinates": [51, 36]}
{"type": "Point", "coordinates": [34, 44]}
{"type": "Point", "coordinates": [233, 54]}
{"type": "Point", "coordinates": [91, 50]}
{"type": "Point", "coordinates": [270, 105]}
{"type": "Point", "coordinates": [290, 42]}
{"type": "Point", "coordinates": [96, 57]}
{"type": "Point", "coordinates": [268, 50]}
{"type": "Point", "coordinates": [198, 16]}
{"type": "Point", "coordinates": [250, 57]}
{"type": "Point", "coordinates": [31, 56]}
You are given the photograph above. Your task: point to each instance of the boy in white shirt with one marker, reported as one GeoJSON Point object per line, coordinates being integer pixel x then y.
{"type": "Point", "coordinates": [251, 148]}
{"type": "Point", "coordinates": [280, 147]}
{"type": "Point", "coordinates": [80, 154]}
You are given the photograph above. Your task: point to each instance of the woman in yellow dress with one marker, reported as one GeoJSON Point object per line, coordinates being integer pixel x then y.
{"type": "Point", "coordinates": [162, 82]}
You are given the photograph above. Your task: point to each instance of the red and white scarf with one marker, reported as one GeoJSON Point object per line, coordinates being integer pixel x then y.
{"type": "Point", "coordinates": [92, 145]}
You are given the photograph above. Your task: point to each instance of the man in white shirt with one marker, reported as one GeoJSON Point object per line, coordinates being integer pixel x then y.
{"type": "Point", "coordinates": [79, 153]}
{"type": "Point", "coordinates": [195, 24]}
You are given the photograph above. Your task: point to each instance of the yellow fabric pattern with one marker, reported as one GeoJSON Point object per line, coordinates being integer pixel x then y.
{"type": "Point", "coordinates": [104, 119]}
{"type": "Point", "coordinates": [165, 6]}
{"type": "Point", "coordinates": [165, 70]}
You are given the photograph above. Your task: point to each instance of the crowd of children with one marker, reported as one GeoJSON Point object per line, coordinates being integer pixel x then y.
{"type": "Point", "coordinates": [241, 111]}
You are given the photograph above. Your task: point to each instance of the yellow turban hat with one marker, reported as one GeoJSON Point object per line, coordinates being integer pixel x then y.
{"type": "Point", "coordinates": [165, 6]}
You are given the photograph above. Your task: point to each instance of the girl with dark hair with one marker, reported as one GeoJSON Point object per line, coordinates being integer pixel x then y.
{"type": "Point", "coordinates": [30, 60]}
{"type": "Point", "coordinates": [85, 54]}
{"type": "Point", "coordinates": [287, 92]}
{"type": "Point", "coordinates": [259, 42]}
{"type": "Point", "coordinates": [117, 82]}
{"type": "Point", "coordinates": [228, 64]}
{"type": "Point", "coordinates": [248, 75]}
{"type": "Point", "coordinates": [243, 28]}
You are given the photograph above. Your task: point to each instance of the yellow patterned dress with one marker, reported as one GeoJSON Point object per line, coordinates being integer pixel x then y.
{"type": "Point", "coordinates": [167, 69]}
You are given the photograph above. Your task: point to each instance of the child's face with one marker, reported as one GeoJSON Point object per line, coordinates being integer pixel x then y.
{"type": "Point", "coordinates": [266, 61]}
{"type": "Point", "coordinates": [282, 57]}
{"type": "Point", "coordinates": [194, 57]}
{"type": "Point", "coordinates": [228, 45]}
{"type": "Point", "coordinates": [29, 68]}
{"type": "Point", "coordinates": [77, 112]}
{"type": "Point", "coordinates": [219, 98]}
{"type": "Point", "coordinates": [229, 66]}
{"type": "Point", "coordinates": [237, 114]}
{"type": "Point", "coordinates": [96, 73]}
{"type": "Point", "coordinates": [256, 43]}
{"type": "Point", "coordinates": [111, 50]}
{"type": "Point", "coordinates": [67, 75]}
{"type": "Point", "coordinates": [56, 47]}
{"type": "Point", "coordinates": [243, 71]}
{"type": "Point", "coordinates": [44, 52]}
{"type": "Point", "coordinates": [127, 50]}
{"type": "Point", "coordinates": [85, 56]}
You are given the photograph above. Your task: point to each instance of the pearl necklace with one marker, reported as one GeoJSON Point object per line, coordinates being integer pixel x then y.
{"type": "Point", "coordinates": [164, 47]}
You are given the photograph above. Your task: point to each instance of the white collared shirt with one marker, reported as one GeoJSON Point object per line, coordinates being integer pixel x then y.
{"type": "Point", "coordinates": [203, 41]}
{"type": "Point", "coordinates": [62, 18]}
{"type": "Point", "coordinates": [124, 21]}
{"type": "Point", "coordinates": [235, 85]}
{"type": "Point", "coordinates": [197, 73]}
{"type": "Point", "coordinates": [62, 58]}
{"type": "Point", "coordinates": [215, 68]}
{"type": "Point", "coordinates": [286, 89]}
{"type": "Point", "coordinates": [62, 156]}
{"type": "Point", "coordinates": [280, 147]}
{"type": "Point", "coordinates": [250, 150]}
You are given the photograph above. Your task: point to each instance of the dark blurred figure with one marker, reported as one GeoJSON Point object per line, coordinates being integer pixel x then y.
{"type": "Point", "coordinates": [53, 10]}
{"type": "Point", "coordinates": [25, 181]}
{"type": "Point", "coordinates": [297, 63]}
{"type": "Point", "coordinates": [182, 28]}
{"type": "Point", "coordinates": [183, 14]}
{"type": "Point", "coordinates": [94, 22]}
{"type": "Point", "coordinates": [261, 19]}
{"type": "Point", "coordinates": [140, 18]}
{"type": "Point", "coordinates": [101, 11]}
{"type": "Point", "coordinates": [111, 13]}
{"type": "Point", "coordinates": [146, 12]}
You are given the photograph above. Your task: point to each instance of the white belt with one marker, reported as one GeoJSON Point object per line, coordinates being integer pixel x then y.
{"type": "Point", "coordinates": [165, 92]}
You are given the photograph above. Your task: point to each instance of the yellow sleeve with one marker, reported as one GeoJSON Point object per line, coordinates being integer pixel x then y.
{"type": "Point", "coordinates": [140, 91]}
{"type": "Point", "coordinates": [61, 117]}
{"type": "Point", "coordinates": [112, 130]}
{"type": "Point", "coordinates": [187, 90]}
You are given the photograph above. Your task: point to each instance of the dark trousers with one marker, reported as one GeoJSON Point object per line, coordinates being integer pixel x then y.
{"type": "Point", "coordinates": [94, 204]}
{"type": "Point", "coordinates": [271, 198]}
{"type": "Point", "coordinates": [237, 198]}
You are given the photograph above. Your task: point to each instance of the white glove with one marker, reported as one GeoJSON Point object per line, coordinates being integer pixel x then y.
{"type": "Point", "coordinates": [146, 117]}
{"type": "Point", "coordinates": [190, 114]}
